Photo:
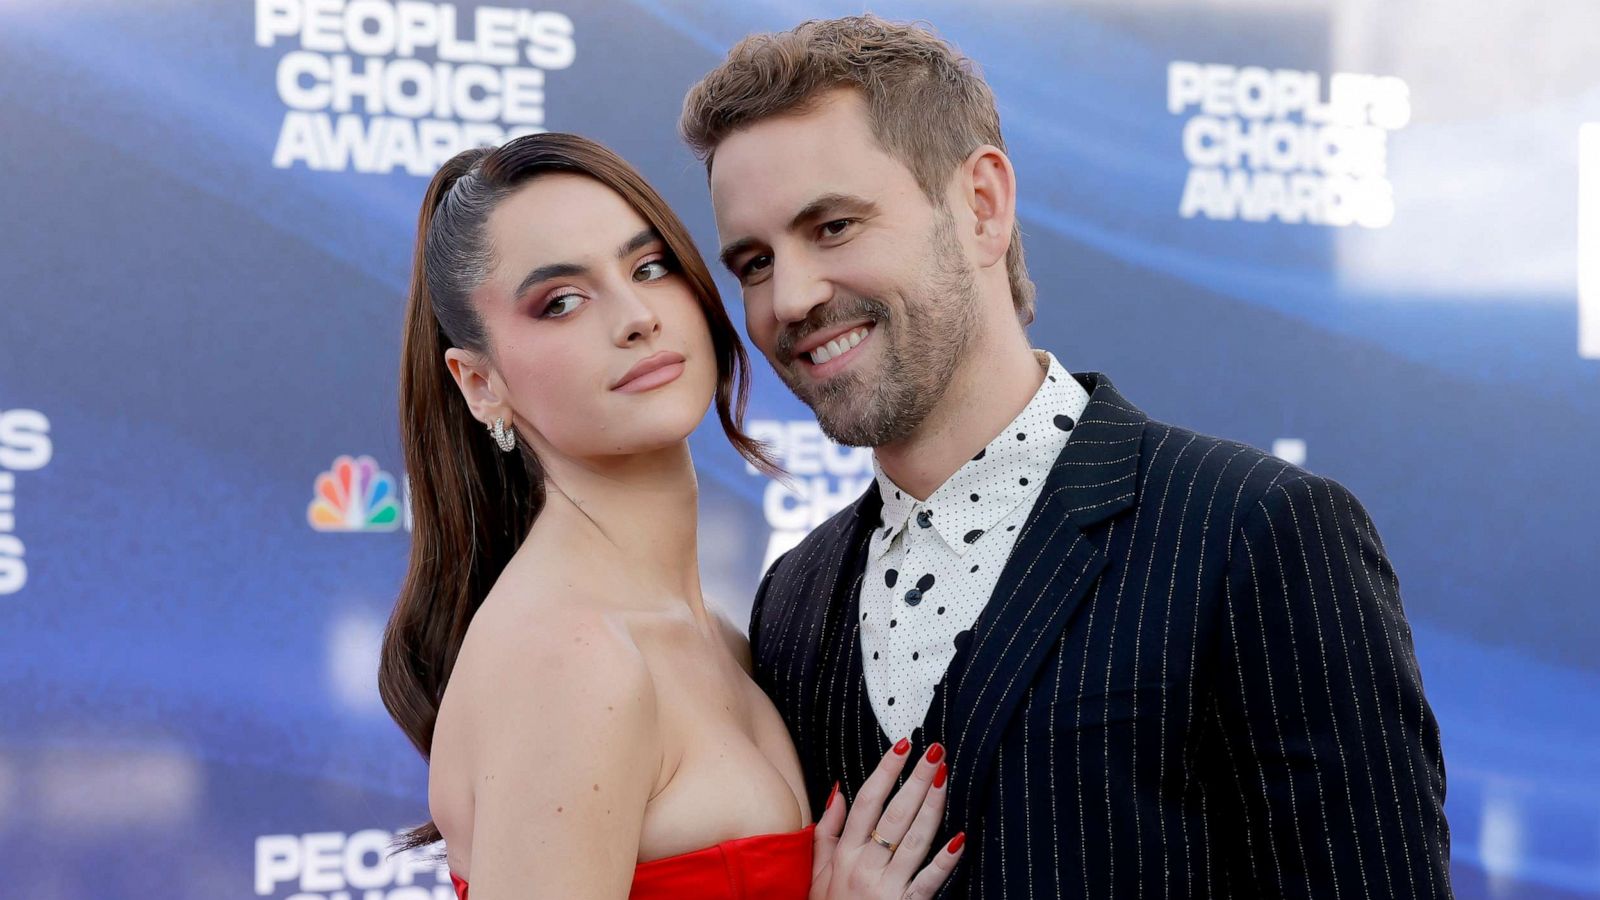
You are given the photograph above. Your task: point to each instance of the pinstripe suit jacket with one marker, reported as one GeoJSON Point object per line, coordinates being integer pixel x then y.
{"type": "Point", "coordinates": [1194, 679]}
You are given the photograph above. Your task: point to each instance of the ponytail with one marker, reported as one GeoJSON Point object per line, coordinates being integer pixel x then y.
{"type": "Point", "coordinates": [472, 505]}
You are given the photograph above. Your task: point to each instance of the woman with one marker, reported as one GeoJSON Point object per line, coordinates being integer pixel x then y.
{"type": "Point", "coordinates": [591, 727]}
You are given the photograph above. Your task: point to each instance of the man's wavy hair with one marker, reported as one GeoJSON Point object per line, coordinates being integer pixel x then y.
{"type": "Point", "coordinates": [928, 106]}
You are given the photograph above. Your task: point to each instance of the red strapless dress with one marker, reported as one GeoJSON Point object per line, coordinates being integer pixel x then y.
{"type": "Point", "coordinates": [767, 866]}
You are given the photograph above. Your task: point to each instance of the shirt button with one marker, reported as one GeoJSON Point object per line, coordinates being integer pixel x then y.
{"type": "Point", "coordinates": [913, 597]}
{"type": "Point", "coordinates": [925, 519]}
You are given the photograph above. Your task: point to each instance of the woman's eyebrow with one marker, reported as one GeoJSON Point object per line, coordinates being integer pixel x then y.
{"type": "Point", "coordinates": [573, 270]}
{"type": "Point", "coordinates": [545, 273]}
{"type": "Point", "coordinates": [638, 242]}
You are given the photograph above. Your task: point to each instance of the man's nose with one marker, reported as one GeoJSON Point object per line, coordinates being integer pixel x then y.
{"type": "Point", "coordinates": [797, 289]}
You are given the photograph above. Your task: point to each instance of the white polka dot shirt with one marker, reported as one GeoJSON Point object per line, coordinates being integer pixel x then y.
{"type": "Point", "coordinates": [932, 565]}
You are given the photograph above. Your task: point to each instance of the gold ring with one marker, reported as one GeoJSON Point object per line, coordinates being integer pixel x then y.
{"type": "Point", "coordinates": [881, 842]}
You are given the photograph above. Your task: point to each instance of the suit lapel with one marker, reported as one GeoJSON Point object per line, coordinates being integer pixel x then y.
{"type": "Point", "coordinates": [1045, 579]}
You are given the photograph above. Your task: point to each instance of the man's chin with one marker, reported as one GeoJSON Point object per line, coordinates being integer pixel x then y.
{"type": "Point", "coordinates": [850, 436]}
{"type": "Point", "coordinates": [838, 405]}
{"type": "Point", "coordinates": [850, 427]}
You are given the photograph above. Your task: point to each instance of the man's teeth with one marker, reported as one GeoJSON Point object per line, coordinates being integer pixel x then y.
{"type": "Point", "coordinates": [838, 346]}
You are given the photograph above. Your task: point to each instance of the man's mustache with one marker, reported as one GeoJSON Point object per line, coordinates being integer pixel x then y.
{"type": "Point", "coordinates": [843, 309]}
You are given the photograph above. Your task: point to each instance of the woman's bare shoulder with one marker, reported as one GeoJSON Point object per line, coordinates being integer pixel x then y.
{"type": "Point", "coordinates": [550, 639]}
{"type": "Point", "coordinates": [557, 746]}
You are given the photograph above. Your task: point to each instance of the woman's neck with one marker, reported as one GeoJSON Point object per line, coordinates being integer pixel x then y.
{"type": "Point", "coordinates": [643, 507]}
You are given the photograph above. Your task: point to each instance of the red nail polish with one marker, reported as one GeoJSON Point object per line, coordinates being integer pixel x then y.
{"type": "Point", "coordinates": [956, 842]}
{"type": "Point", "coordinates": [901, 748]}
{"type": "Point", "coordinates": [941, 775]}
{"type": "Point", "coordinates": [935, 753]}
{"type": "Point", "coordinates": [831, 794]}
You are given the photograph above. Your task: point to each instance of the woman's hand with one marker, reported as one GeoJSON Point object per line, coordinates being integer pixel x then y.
{"type": "Point", "coordinates": [850, 859]}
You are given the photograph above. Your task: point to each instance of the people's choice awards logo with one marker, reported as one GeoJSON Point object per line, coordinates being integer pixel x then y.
{"type": "Point", "coordinates": [428, 79]}
{"type": "Point", "coordinates": [25, 446]}
{"type": "Point", "coordinates": [1265, 144]}
{"type": "Point", "coordinates": [826, 478]}
{"type": "Point", "coordinates": [355, 495]}
{"type": "Point", "coordinates": [332, 865]}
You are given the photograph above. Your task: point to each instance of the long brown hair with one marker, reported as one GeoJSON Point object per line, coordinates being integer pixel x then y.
{"type": "Point", "coordinates": [473, 505]}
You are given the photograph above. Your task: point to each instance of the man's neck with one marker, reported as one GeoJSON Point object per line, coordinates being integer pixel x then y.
{"type": "Point", "coordinates": [989, 390]}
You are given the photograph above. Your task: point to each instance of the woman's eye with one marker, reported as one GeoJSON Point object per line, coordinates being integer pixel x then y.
{"type": "Point", "coordinates": [652, 271]}
{"type": "Point", "coordinates": [562, 306]}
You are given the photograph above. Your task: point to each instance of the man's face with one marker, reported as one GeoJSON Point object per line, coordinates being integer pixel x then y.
{"type": "Point", "coordinates": [856, 288]}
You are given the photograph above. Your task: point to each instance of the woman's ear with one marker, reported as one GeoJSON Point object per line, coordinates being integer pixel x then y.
{"type": "Point", "coordinates": [477, 382]}
{"type": "Point", "coordinates": [990, 189]}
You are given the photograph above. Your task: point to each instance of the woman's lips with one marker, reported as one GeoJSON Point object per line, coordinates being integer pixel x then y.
{"type": "Point", "coordinates": [653, 372]}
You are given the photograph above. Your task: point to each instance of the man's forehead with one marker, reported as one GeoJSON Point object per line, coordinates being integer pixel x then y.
{"type": "Point", "coordinates": [773, 169]}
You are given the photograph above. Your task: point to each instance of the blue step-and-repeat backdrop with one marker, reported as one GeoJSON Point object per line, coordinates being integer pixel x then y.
{"type": "Point", "coordinates": [1364, 236]}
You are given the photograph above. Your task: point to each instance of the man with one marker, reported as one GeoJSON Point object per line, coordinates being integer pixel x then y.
{"type": "Point", "coordinates": [1163, 664]}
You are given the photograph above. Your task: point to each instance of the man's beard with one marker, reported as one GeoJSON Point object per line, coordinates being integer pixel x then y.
{"type": "Point", "coordinates": [920, 350]}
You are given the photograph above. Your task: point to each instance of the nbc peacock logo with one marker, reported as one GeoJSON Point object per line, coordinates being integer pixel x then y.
{"type": "Point", "coordinates": [355, 495]}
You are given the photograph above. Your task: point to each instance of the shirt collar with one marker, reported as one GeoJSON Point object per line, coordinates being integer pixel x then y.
{"type": "Point", "coordinates": [1003, 475]}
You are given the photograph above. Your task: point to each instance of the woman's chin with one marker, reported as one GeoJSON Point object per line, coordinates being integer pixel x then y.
{"type": "Point", "coordinates": [645, 429]}
{"type": "Point", "coordinates": [652, 438]}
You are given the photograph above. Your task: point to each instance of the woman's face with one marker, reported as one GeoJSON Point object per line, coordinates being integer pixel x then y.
{"type": "Point", "coordinates": [582, 292]}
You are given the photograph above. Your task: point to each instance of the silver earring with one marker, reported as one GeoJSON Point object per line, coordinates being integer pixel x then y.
{"type": "Point", "coordinates": [503, 434]}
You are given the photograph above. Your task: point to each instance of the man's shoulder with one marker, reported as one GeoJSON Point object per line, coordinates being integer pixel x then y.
{"type": "Point", "coordinates": [1236, 480]}
{"type": "Point", "coordinates": [1114, 437]}
{"type": "Point", "coordinates": [1175, 457]}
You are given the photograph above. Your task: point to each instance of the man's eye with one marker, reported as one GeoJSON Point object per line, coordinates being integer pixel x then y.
{"type": "Point", "coordinates": [836, 227]}
{"type": "Point", "coordinates": [755, 265]}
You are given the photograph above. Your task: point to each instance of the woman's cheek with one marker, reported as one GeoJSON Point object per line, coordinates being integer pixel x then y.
{"type": "Point", "coordinates": [697, 345]}
{"type": "Point", "coordinates": [551, 389]}
{"type": "Point", "coordinates": [692, 324]}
